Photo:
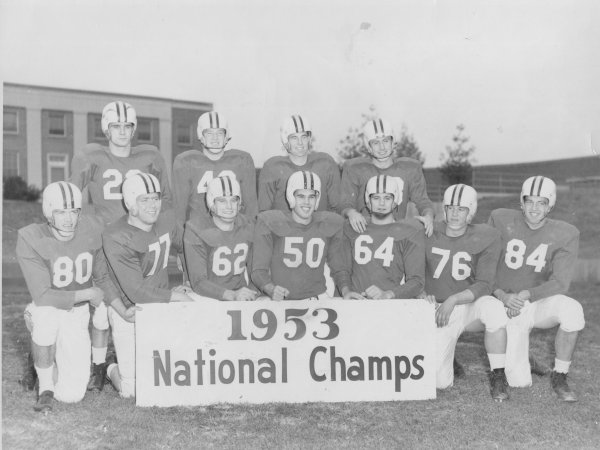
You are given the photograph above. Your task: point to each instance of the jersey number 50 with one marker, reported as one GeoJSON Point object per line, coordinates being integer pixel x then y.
{"type": "Point", "coordinates": [312, 254]}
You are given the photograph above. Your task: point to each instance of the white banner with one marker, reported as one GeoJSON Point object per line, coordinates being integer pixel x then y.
{"type": "Point", "coordinates": [291, 351]}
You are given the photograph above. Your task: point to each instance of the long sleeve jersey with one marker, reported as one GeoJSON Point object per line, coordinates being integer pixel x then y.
{"type": "Point", "coordinates": [103, 173]}
{"type": "Point", "coordinates": [293, 255]}
{"type": "Point", "coordinates": [138, 259]}
{"type": "Point", "coordinates": [192, 171]}
{"type": "Point", "coordinates": [217, 260]}
{"type": "Point", "coordinates": [541, 261]}
{"type": "Point", "coordinates": [272, 181]}
{"type": "Point", "coordinates": [455, 264]}
{"type": "Point", "coordinates": [406, 171]}
{"type": "Point", "coordinates": [384, 255]}
{"type": "Point", "coordinates": [54, 270]}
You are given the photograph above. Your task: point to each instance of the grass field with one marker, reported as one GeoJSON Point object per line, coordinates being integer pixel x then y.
{"type": "Point", "coordinates": [463, 416]}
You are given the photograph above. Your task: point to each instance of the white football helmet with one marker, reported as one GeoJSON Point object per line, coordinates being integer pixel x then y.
{"type": "Point", "coordinates": [212, 120]}
{"type": "Point", "coordinates": [222, 187]}
{"type": "Point", "coordinates": [60, 195]}
{"type": "Point", "coordinates": [118, 112]}
{"type": "Point", "coordinates": [294, 124]}
{"type": "Point", "coordinates": [138, 184]}
{"type": "Point", "coordinates": [539, 186]}
{"type": "Point", "coordinates": [375, 129]}
{"type": "Point", "coordinates": [382, 184]}
{"type": "Point", "coordinates": [303, 179]}
{"type": "Point", "coordinates": [461, 195]}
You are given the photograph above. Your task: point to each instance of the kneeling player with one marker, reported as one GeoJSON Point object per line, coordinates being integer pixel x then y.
{"type": "Point", "coordinates": [387, 251]}
{"type": "Point", "coordinates": [217, 248]}
{"type": "Point", "coordinates": [534, 272]}
{"type": "Point", "coordinates": [137, 249]}
{"type": "Point", "coordinates": [59, 260]}
{"type": "Point", "coordinates": [459, 276]}
{"type": "Point", "coordinates": [290, 248]}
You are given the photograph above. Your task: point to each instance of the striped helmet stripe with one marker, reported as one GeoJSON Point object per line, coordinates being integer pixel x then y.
{"type": "Point", "coordinates": [309, 181]}
{"type": "Point", "coordinates": [298, 126]}
{"type": "Point", "coordinates": [145, 180]}
{"type": "Point", "coordinates": [64, 195]}
{"type": "Point", "coordinates": [375, 126]}
{"type": "Point", "coordinates": [301, 122]}
{"type": "Point", "coordinates": [540, 180]}
{"type": "Point", "coordinates": [457, 194]}
{"type": "Point", "coordinates": [226, 186]}
{"type": "Point", "coordinates": [71, 194]}
{"type": "Point", "coordinates": [381, 184]}
{"type": "Point", "coordinates": [381, 126]}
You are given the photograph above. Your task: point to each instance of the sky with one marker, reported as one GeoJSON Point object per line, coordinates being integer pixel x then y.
{"type": "Point", "coordinates": [523, 77]}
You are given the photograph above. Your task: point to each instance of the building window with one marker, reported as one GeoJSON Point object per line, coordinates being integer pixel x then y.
{"type": "Point", "coordinates": [11, 121]}
{"type": "Point", "coordinates": [97, 127]}
{"type": "Point", "coordinates": [57, 167]}
{"type": "Point", "coordinates": [144, 130]}
{"type": "Point", "coordinates": [184, 134]}
{"type": "Point", "coordinates": [57, 124]}
{"type": "Point", "coordinates": [11, 164]}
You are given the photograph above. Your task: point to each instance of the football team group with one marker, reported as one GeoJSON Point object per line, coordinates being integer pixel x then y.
{"type": "Point", "coordinates": [307, 232]}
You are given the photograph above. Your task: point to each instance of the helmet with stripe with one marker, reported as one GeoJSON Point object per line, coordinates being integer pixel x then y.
{"type": "Point", "coordinates": [118, 112]}
{"type": "Point", "coordinates": [461, 195]}
{"type": "Point", "coordinates": [539, 186]}
{"type": "Point", "coordinates": [60, 195]}
{"type": "Point", "coordinates": [294, 124]}
{"type": "Point", "coordinates": [383, 184]}
{"type": "Point", "coordinates": [303, 179]}
{"type": "Point", "coordinates": [139, 184]}
{"type": "Point", "coordinates": [222, 187]}
{"type": "Point", "coordinates": [215, 121]}
{"type": "Point", "coordinates": [375, 129]}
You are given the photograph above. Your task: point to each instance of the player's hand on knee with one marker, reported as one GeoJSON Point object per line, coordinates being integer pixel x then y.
{"type": "Point", "coordinates": [129, 314]}
{"type": "Point", "coordinates": [279, 293]}
{"type": "Point", "coordinates": [524, 295]}
{"type": "Point", "coordinates": [443, 313]}
{"type": "Point", "coordinates": [245, 295]}
{"type": "Point", "coordinates": [96, 296]}
{"type": "Point", "coordinates": [375, 293]}
{"type": "Point", "coordinates": [513, 301]}
{"type": "Point", "coordinates": [357, 221]}
{"type": "Point", "coordinates": [512, 312]}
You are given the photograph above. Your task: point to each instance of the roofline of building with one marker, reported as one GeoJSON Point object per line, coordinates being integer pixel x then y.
{"type": "Point", "coordinates": [534, 163]}
{"type": "Point", "coordinates": [112, 94]}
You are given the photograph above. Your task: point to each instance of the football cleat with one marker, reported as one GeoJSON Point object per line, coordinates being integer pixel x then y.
{"type": "Point", "coordinates": [97, 377]}
{"type": "Point", "coordinates": [29, 379]}
{"type": "Point", "coordinates": [537, 368]}
{"type": "Point", "coordinates": [44, 402]}
{"type": "Point", "coordinates": [498, 385]}
{"type": "Point", "coordinates": [558, 381]}
{"type": "Point", "coordinates": [459, 370]}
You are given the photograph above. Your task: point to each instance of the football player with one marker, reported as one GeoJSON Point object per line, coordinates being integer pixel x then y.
{"type": "Point", "coordinates": [461, 261]}
{"type": "Point", "coordinates": [388, 251]}
{"type": "Point", "coordinates": [296, 137]}
{"type": "Point", "coordinates": [291, 247]}
{"type": "Point", "coordinates": [218, 248]}
{"type": "Point", "coordinates": [378, 136]}
{"type": "Point", "coordinates": [137, 250]}
{"type": "Point", "coordinates": [193, 170]}
{"type": "Point", "coordinates": [534, 272]}
{"type": "Point", "coordinates": [102, 169]}
{"type": "Point", "coordinates": [64, 268]}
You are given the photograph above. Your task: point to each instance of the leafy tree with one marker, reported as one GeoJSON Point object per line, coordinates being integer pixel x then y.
{"type": "Point", "coordinates": [457, 160]}
{"type": "Point", "coordinates": [353, 145]}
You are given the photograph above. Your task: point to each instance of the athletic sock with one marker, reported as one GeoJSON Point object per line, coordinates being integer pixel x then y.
{"type": "Point", "coordinates": [99, 355]}
{"type": "Point", "coordinates": [497, 360]}
{"type": "Point", "coordinates": [46, 378]}
{"type": "Point", "coordinates": [561, 366]}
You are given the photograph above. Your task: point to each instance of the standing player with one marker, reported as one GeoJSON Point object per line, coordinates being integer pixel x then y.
{"type": "Point", "coordinates": [534, 273]}
{"type": "Point", "coordinates": [137, 249]}
{"type": "Point", "coordinates": [379, 140]}
{"type": "Point", "coordinates": [388, 251]}
{"type": "Point", "coordinates": [59, 260]}
{"type": "Point", "coordinates": [459, 276]}
{"type": "Point", "coordinates": [296, 137]}
{"type": "Point", "coordinates": [193, 170]}
{"type": "Point", "coordinates": [218, 248]}
{"type": "Point", "coordinates": [290, 248]}
{"type": "Point", "coordinates": [102, 170]}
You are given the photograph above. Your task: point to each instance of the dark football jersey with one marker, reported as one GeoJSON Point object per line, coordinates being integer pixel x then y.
{"type": "Point", "coordinates": [138, 259]}
{"type": "Point", "coordinates": [276, 171]}
{"type": "Point", "coordinates": [541, 261]}
{"type": "Point", "coordinates": [192, 171]}
{"type": "Point", "coordinates": [217, 260]}
{"type": "Point", "coordinates": [385, 255]}
{"type": "Point", "coordinates": [54, 269]}
{"type": "Point", "coordinates": [293, 255]}
{"type": "Point", "coordinates": [103, 173]}
{"type": "Point", "coordinates": [458, 263]}
{"type": "Point", "coordinates": [406, 171]}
